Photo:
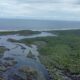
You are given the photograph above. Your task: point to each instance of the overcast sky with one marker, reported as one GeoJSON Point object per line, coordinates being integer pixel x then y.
{"type": "Point", "coordinates": [40, 9]}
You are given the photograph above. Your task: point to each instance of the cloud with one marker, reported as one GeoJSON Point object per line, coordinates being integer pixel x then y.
{"type": "Point", "coordinates": [40, 9]}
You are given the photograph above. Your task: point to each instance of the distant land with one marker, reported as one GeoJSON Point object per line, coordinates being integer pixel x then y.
{"type": "Point", "coordinates": [27, 24]}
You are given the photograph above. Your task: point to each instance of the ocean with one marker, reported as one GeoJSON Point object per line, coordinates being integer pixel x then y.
{"type": "Point", "coordinates": [39, 25]}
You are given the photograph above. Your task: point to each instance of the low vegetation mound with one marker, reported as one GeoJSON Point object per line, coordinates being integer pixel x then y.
{"type": "Point", "coordinates": [21, 32]}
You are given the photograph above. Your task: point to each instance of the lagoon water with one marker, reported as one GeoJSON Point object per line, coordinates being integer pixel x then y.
{"type": "Point", "coordinates": [23, 24]}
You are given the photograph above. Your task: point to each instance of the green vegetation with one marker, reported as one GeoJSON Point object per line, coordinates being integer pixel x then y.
{"type": "Point", "coordinates": [65, 52]}
{"type": "Point", "coordinates": [1, 78]}
{"type": "Point", "coordinates": [2, 68]}
{"type": "Point", "coordinates": [61, 54]}
{"type": "Point", "coordinates": [2, 50]}
{"type": "Point", "coordinates": [30, 55]}
{"type": "Point", "coordinates": [21, 32]}
{"type": "Point", "coordinates": [31, 73]}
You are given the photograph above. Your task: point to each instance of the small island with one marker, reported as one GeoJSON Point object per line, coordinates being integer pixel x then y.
{"type": "Point", "coordinates": [19, 32]}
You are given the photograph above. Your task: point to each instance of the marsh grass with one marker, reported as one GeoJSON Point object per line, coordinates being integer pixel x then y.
{"type": "Point", "coordinates": [61, 52]}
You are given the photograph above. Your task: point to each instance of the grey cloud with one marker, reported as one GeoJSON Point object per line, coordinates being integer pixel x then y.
{"type": "Point", "coordinates": [49, 1]}
{"type": "Point", "coordinates": [39, 1]}
{"type": "Point", "coordinates": [77, 2]}
{"type": "Point", "coordinates": [62, 9]}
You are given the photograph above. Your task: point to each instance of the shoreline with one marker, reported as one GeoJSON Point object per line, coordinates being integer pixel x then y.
{"type": "Point", "coordinates": [43, 30]}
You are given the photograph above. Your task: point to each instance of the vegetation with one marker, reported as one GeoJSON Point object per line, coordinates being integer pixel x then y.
{"type": "Point", "coordinates": [1, 78]}
{"type": "Point", "coordinates": [21, 32]}
{"type": "Point", "coordinates": [2, 50]}
{"type": "Point", "coordinates": [62, 53]}
{"type": "Point", "coordinates": [30, 72]}
{"type": "Point", "coordinates": [30, 55]}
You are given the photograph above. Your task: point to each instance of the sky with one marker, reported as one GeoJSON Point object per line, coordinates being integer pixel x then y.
{"type": "Point", "coordinates": [40, 9]}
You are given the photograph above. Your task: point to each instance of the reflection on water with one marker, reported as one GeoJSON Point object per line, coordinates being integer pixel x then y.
{"type": "Point", "coordinates": [17, 37]}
